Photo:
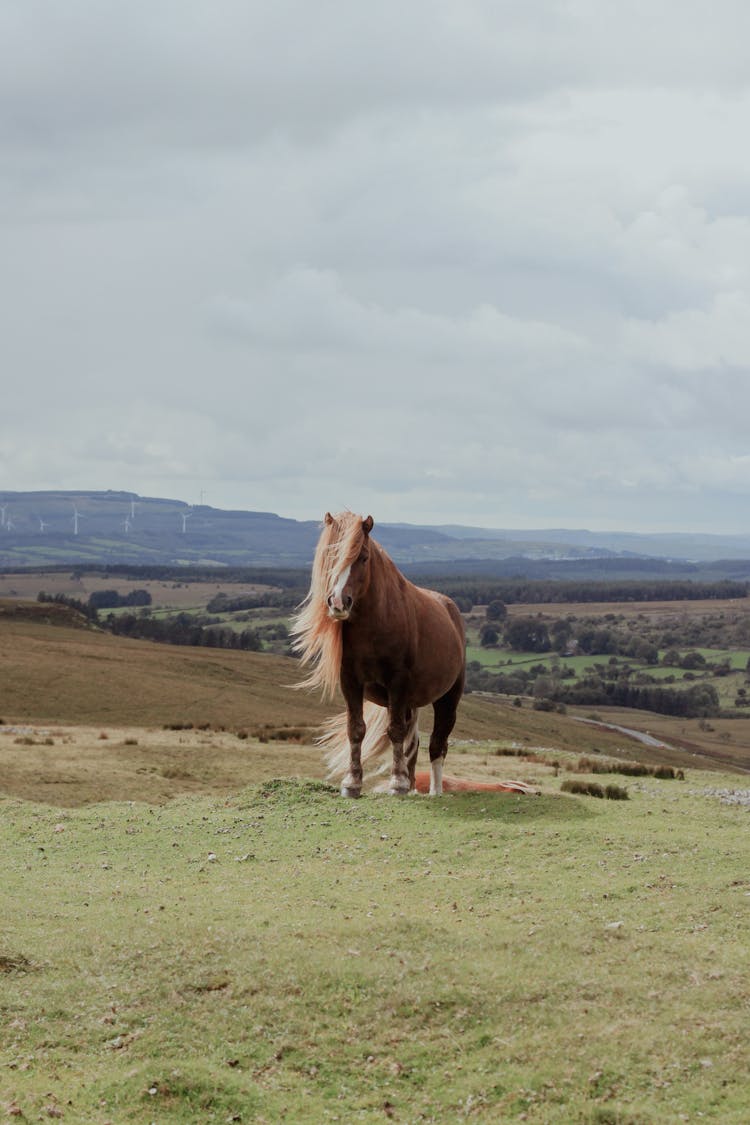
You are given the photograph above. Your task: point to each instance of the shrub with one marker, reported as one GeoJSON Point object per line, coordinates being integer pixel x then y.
{"type": "Point", "coordinates": [544, 705]}
{"type": "Point", "coordinates": [496, 610]}
{"type": "Point", "coordinates": [668, 773]}
{"type": "Point", "coordinates": [488, 636]}
{"type": "Point", "coordinates": [593, 789]}
{"type": "Point", "coordinates": [616, 793]}
{"type": "Point", "coordinates": [629, 769]}
{"type": "Point", "coordinates": [584, 788]}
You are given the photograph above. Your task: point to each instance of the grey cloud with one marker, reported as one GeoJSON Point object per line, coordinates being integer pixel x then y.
{"type": "Point", "coordinates": [473, 258]}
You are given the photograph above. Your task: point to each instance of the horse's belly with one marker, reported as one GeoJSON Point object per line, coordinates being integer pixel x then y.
{"type": "Point", "coordinates": [426, 688]}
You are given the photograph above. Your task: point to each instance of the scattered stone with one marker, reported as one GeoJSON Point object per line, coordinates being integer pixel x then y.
{"type": "Point", "coordinates": [726, 796]}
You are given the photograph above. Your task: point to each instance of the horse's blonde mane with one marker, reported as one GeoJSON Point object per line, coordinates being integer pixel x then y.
{"type": "Point", "coordinates": [317, 637]}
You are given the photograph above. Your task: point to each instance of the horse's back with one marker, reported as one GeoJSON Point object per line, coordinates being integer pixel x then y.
{"type": "Point", "coordinates": [442, 611]}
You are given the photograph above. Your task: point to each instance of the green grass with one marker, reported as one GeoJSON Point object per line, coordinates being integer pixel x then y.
{"type": "Point", "coordinates": [285, 955]}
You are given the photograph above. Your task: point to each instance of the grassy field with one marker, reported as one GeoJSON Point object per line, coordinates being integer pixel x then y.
{"type": "Point", "coordinates": [195, 928]}
{"type": "Point", "coordinates": [280, 954]}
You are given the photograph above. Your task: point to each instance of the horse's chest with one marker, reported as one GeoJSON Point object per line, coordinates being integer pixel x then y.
{"type": "Point", "coordinates": [375, 659]}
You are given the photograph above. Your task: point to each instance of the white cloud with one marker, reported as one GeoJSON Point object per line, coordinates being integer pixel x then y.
{"type": "Point", "coordinates": [696, 339]}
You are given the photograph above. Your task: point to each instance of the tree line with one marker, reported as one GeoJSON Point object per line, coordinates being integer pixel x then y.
{"type": "Point", "coordinates": [275, 599]}
{"type": "Point", "coordinates": [470, 592]}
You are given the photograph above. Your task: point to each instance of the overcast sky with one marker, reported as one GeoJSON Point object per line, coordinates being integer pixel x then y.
{"type": "Point", "coordinates": [484, 261]}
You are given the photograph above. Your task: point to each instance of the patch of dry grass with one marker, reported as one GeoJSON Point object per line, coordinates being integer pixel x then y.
{"type": "Point", "coordinates": [72, 766]}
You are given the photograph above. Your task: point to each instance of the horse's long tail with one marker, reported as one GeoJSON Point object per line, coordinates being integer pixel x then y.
{"type": "Point", "coordinates": [462, 785]}
{"type": "Point", "coordinates": [335, 740]}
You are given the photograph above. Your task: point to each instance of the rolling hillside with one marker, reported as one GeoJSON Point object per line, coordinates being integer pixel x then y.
{"type": "Point", "coordinates": [52, 671]}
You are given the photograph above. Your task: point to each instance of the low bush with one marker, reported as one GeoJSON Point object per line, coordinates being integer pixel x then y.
{"type": "Point", "coordinates": [594, 789]}
{"type": "Point", "coordinates": [629, 769]}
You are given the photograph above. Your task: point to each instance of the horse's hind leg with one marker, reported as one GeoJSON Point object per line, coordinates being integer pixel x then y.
{"type": "Point", "coordinates": [445, 719]}
{"type": "Point", "coordinates": [411, 750]}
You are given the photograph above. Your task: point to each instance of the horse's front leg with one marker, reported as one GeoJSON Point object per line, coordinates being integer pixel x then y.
{"type": "Point", "coordinates": [398, 729]}
{"type": "Point", "coordinates": [351, 786]}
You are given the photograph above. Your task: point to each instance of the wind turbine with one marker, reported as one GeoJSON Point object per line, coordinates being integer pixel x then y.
{"type": "Point", "coordinates": [9, 525]}
{"type": "Point", "coordinates": [3, 510]}
{"type": "Point", "coordinates": [126, 524]}
{"type": "Point", "coordinates": [76, 517]}
{"type": "Point", "coordinates": [185, 517]}
{"type": "Point", "coordinates": [133, 506]}
{"type": "Point", "coordinates": [42, 525]}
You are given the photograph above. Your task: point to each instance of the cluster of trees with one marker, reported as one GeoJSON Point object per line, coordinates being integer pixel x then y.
{"type": "Point", "coordinates": [183, 629]}
{"type": "Point", "coordinates": [86, 610]}
{"type": "Point", "coordinates": [618, 635]}
{"type": "Point", "coordinates": [601, 686]}
{"type": "Point", "coordinates": [111, 599]}
{"type": "Point", "coordinates": [589, 636]}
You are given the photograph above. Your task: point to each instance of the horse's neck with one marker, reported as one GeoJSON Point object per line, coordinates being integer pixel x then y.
{"type": "Point", "coordinates": [387, 585]}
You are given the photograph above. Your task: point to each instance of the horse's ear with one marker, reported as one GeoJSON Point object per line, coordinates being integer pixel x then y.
{"type": "Point", "coordinates": [367, 525]}
{"type": "Point", "coordinates": [329, 518]}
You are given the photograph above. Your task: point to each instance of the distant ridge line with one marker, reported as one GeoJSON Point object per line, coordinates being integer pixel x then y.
{"type": "Point", "coordinates": [124, 527]}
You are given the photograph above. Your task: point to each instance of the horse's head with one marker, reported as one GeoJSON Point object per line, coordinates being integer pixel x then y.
{"type": "Point", "coordinates": [350, 574]}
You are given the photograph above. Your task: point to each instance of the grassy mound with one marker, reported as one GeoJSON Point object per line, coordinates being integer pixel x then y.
{"type": "Point", "coordinates": [282, 954]}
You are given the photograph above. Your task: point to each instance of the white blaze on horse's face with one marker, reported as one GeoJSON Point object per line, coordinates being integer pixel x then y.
{"type": "Point", "coordinates": [339, 602]}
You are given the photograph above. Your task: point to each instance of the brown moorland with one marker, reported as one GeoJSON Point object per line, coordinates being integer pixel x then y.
{"type": "Point", "coordinates": [88, 716]}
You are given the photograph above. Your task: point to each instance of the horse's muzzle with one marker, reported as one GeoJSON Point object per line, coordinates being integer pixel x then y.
{"type": "Point", "coordinates": [340, 607]}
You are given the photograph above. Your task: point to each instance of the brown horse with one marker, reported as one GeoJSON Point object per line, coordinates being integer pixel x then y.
{"type": "Point", "coordinates": [391, 646]}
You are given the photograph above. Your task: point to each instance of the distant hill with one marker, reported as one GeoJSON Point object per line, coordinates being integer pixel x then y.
{"type": "Point", "coordinates": [112, 528]}
{"type": "Point", "coordinates": [121, 528]}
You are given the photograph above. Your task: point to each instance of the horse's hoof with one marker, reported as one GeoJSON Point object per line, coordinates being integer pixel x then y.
{"type": "Point", "coordinates": [350, 791]}
{"type": "Point", "coordinates": [399, 789]}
